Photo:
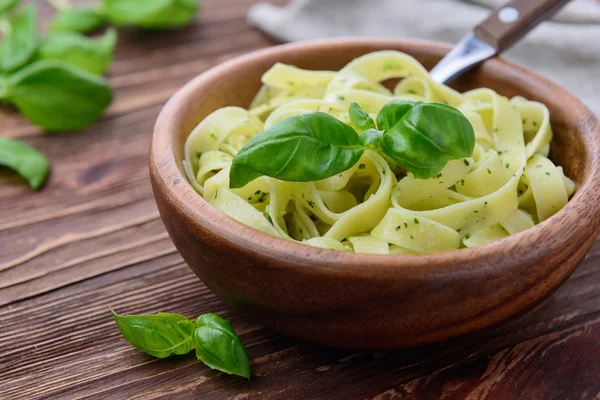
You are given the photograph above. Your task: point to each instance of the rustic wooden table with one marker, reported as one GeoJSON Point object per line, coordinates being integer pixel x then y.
{"type": "Point", "coordinates": [93, 239]}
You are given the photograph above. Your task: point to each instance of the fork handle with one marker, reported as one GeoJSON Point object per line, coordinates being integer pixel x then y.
{"type": "Point", "coordinates": [509, 23]}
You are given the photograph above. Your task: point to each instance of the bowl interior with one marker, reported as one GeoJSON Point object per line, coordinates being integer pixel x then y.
{"type": "Point", "coordinates": [236, 83]}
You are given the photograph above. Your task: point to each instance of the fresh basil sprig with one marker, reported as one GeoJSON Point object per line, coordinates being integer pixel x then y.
{"type": "Point", "coordinates": [20, 38]}
{"type": "Point", "coordinates": [55, 81]}
{"type": "Point", "coordinates": [420, 137]}
{"type": "Point", "coordinates": [32, 165]}
{"type": "Point", "coordinates": [162, 335]}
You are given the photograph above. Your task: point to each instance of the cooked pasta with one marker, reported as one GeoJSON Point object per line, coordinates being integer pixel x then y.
{"type": "Point", "coordinates": [506, 186]}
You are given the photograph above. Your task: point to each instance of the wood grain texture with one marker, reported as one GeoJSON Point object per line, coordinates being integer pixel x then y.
{"type": "Point", "coordinates": [92, 239]}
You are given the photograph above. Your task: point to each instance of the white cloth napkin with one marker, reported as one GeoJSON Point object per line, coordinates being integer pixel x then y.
{"type": "Point", "coordinates": [567, 49]}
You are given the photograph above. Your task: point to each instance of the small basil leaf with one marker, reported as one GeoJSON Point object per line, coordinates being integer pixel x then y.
{"type": "Point", "coordinates": [219, 347]}
{"type": "Point", "coordinates": [423, 137]}
{"type": "Point", "coordinates": [32, 165]}
{"type": "Point", "coordinates": [360, 118]}
{"type": "Point", "coordinates": [20, 39]}
{"type": "Point", "coordinates": [371, 139]}
{"type": "Point", "coordinates": [92, 55]}
{"type": "Point", "coordinates": [151, 14]}
{"type": "Point", "coordinates": [57, 96]}
{"type": "Point", "coordinates": [77, 19]}
{"type": "Point", "coordinates": [7, 5]}
{"type": "Point", "coordinates": [301, 148]}
{"type": "Point", "coordinates": [159, 335]}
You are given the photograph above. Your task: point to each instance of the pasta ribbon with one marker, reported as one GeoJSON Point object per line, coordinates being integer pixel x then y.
{"type": "Point", "coordinates": [507, 186]}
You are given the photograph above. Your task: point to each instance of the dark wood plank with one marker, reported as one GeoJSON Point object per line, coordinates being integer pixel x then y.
{"type": "Point", "coordinates": [75, 337]}
{"type": "Point", "coordinates": [92, 239]}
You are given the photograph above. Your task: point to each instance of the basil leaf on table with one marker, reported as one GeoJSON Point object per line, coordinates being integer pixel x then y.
{"type": "Point", "coordinates": [20, 38]}
{"type": "Point", "coordinates": [7, 5]}
{"type": "Point", "coordinates": [151, 14]}
{"type": "Point", "coordinates": [162, 335]}
{"type": "Point", "coordinates": [159, 335]}
{"type": "Point", "coordinates": [77, 19]}
{"type": "Point", "coordinates": [57, 96]}
{"type": "Point", "coordinates": [300, 148]}
{"type": "Point", "coordinates": [32, 165]}
{"type": "Point", "coordinates": [92, 55]}
{"type": "Point", "coordinates": [360, 118]}
{"type": "Point", "coordinates": [218, 346]}
{"type": "Point", "coordinates": [423, 137]}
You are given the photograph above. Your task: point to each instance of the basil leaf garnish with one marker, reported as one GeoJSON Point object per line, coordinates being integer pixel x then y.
{"type": "Point", "coordinates": [77, 19]}
{"type": "Point", "coordinates": [159, 335]}
{"type": "Point", "coordinates": [150, 14]}
{"type": "Point", "coordinates": [218, 346]}
{"type": "Point", "coordinates": [423, 137]}
{"type": "Point", "coordinates": [360, 118]}
{"type": "Point", "coordinates": [7, 5]}
{"type": "Point", "coordinates": [32, 165]}
{"type": "Point", "coordinates": [92, 55]}
{"type": "Point", "coordinates": [20, 38]}
{"type": "Point", "coordinates": [420, 137]}
{"type": "Point", "coordinates": [57, 96]}
{"type": "Point", "coordinates": [300, 148]}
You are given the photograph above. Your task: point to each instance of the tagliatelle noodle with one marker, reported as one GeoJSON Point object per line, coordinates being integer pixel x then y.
{"type": "Point", "coordinates": [507, 185]}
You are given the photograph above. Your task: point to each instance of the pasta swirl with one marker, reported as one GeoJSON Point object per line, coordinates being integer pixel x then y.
{"type": "Point", "coordinates": [506, 186]}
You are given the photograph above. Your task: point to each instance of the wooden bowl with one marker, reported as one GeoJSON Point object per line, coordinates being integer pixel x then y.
{"type": "Point", "coordinates": [374, 301]}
